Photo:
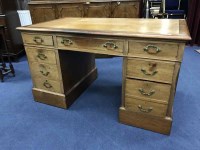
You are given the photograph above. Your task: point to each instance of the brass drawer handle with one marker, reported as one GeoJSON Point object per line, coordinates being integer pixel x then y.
{"type": "Point", "coordinates": [152, 49]}
{"type": "Point", "coordinates": [43, 70]}
{"type": "Point", "coordinates": [38, 40]}
{"type": "Point", "coordinates": [149, 74]}
{"type": "Point", "coordinates": [44, 73]}
{"type": "Point", "coordinates": [66, 42]}
{"type": "Point", "coordinates": [41, 56]}
{"type": "Point", "coordinates": [145, 110]}
{"type": "Point", "coordinates": [141, 90]}
{"type": "Point", "coordinates": [110, 45]}
{"type": "Point", "coordinates": [47, 84]}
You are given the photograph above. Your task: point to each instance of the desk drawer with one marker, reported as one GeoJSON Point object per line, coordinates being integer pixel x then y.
{"type": "Point", "coordinates": [145, 107]}
{"type": "Point", "coordinates": [37, 39]}
{"type": "Point", "coordinates": [44, 70]}
{"type": "Point", "coordinates": [41, 55]}
{"type": "Point", "coordinates": [81, 43]}
{"type": "Point", "coordinates": [45, 84]}
{"type": "Point", "coordinates": [154, 50]}
{"type": "Point", "coordinates": [148, 90]}
{"type": "Point", "coordinates": [3, 20]}
{"type": "Point", "coordinates": [152, 70]}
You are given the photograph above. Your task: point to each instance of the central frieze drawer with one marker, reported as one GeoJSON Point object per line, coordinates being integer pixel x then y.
{"type": "Point", "coordinates": [145, 107]}
{"type": "Point", "coordinates": [152, 70]}
{"type": "Point", "coordinates": [41, 55]}
{"type": "Point", "coordinates": [148, 90]}
{"type": "Point", "coordinates": [37, 39]}
{"type": "Point", "coordinates": [46, 84]}
{"type": "Point", "coordinates": [154, 50]}
{"type": "Point", "coordinates": [44, 70]}
{"type": "Point", "coordinates": [81, 43]}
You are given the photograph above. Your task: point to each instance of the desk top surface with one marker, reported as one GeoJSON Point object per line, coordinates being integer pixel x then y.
{"type": "Point", "coordinates": [144, 28]}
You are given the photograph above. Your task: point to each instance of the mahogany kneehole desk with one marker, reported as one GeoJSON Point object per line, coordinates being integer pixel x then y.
{"type": "Point", "coordinates": [62, 63]}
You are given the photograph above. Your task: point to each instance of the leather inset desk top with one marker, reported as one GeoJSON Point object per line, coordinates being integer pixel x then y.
{"type": "Point", "coordinates": [146, 28]}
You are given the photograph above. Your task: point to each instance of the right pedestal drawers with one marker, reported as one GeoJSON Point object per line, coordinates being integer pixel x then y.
{"type": "Point", "coordinates": [150, 77]}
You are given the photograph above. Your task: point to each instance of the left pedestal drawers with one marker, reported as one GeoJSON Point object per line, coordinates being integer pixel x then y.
{"type": "Point", "coordinates": [42, 62]}
{"type": "Point", "coordinates": [58, 76]}
{"type": "Point", "coordinates": [45, 69]}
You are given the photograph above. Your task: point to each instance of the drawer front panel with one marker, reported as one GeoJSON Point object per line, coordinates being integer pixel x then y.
{"type": "Point", "coordinates": [97, 10]}
{"type": "Point", "coordinates": [150, 70]}
{"type": "Point", "coordinates": [41, 55]}
{"type": "Point", "coordinates": [148, 90]}
{"type": "Point", "coordinates": [44, 70]}
{"type": "Point", "coordinates": [49, 85]}
{"type": "Point", "coordinates": [165, 51]}
{"type": "Point", "coordinates": [3, 21]}
{"type": "Point", "coordinates": [70, 10]}
{"type": "Point", "coordinates": [123, 9]}
{"type": "Point", "coordinates": [81, 43]}
{"type": "Point", "coordinates": [37, 39]}
{"type": "Point", "coordinates": [145, 107]}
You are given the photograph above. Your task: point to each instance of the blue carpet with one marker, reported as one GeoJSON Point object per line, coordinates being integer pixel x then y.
{"type": "Point", "coordinates": [91, 123]}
